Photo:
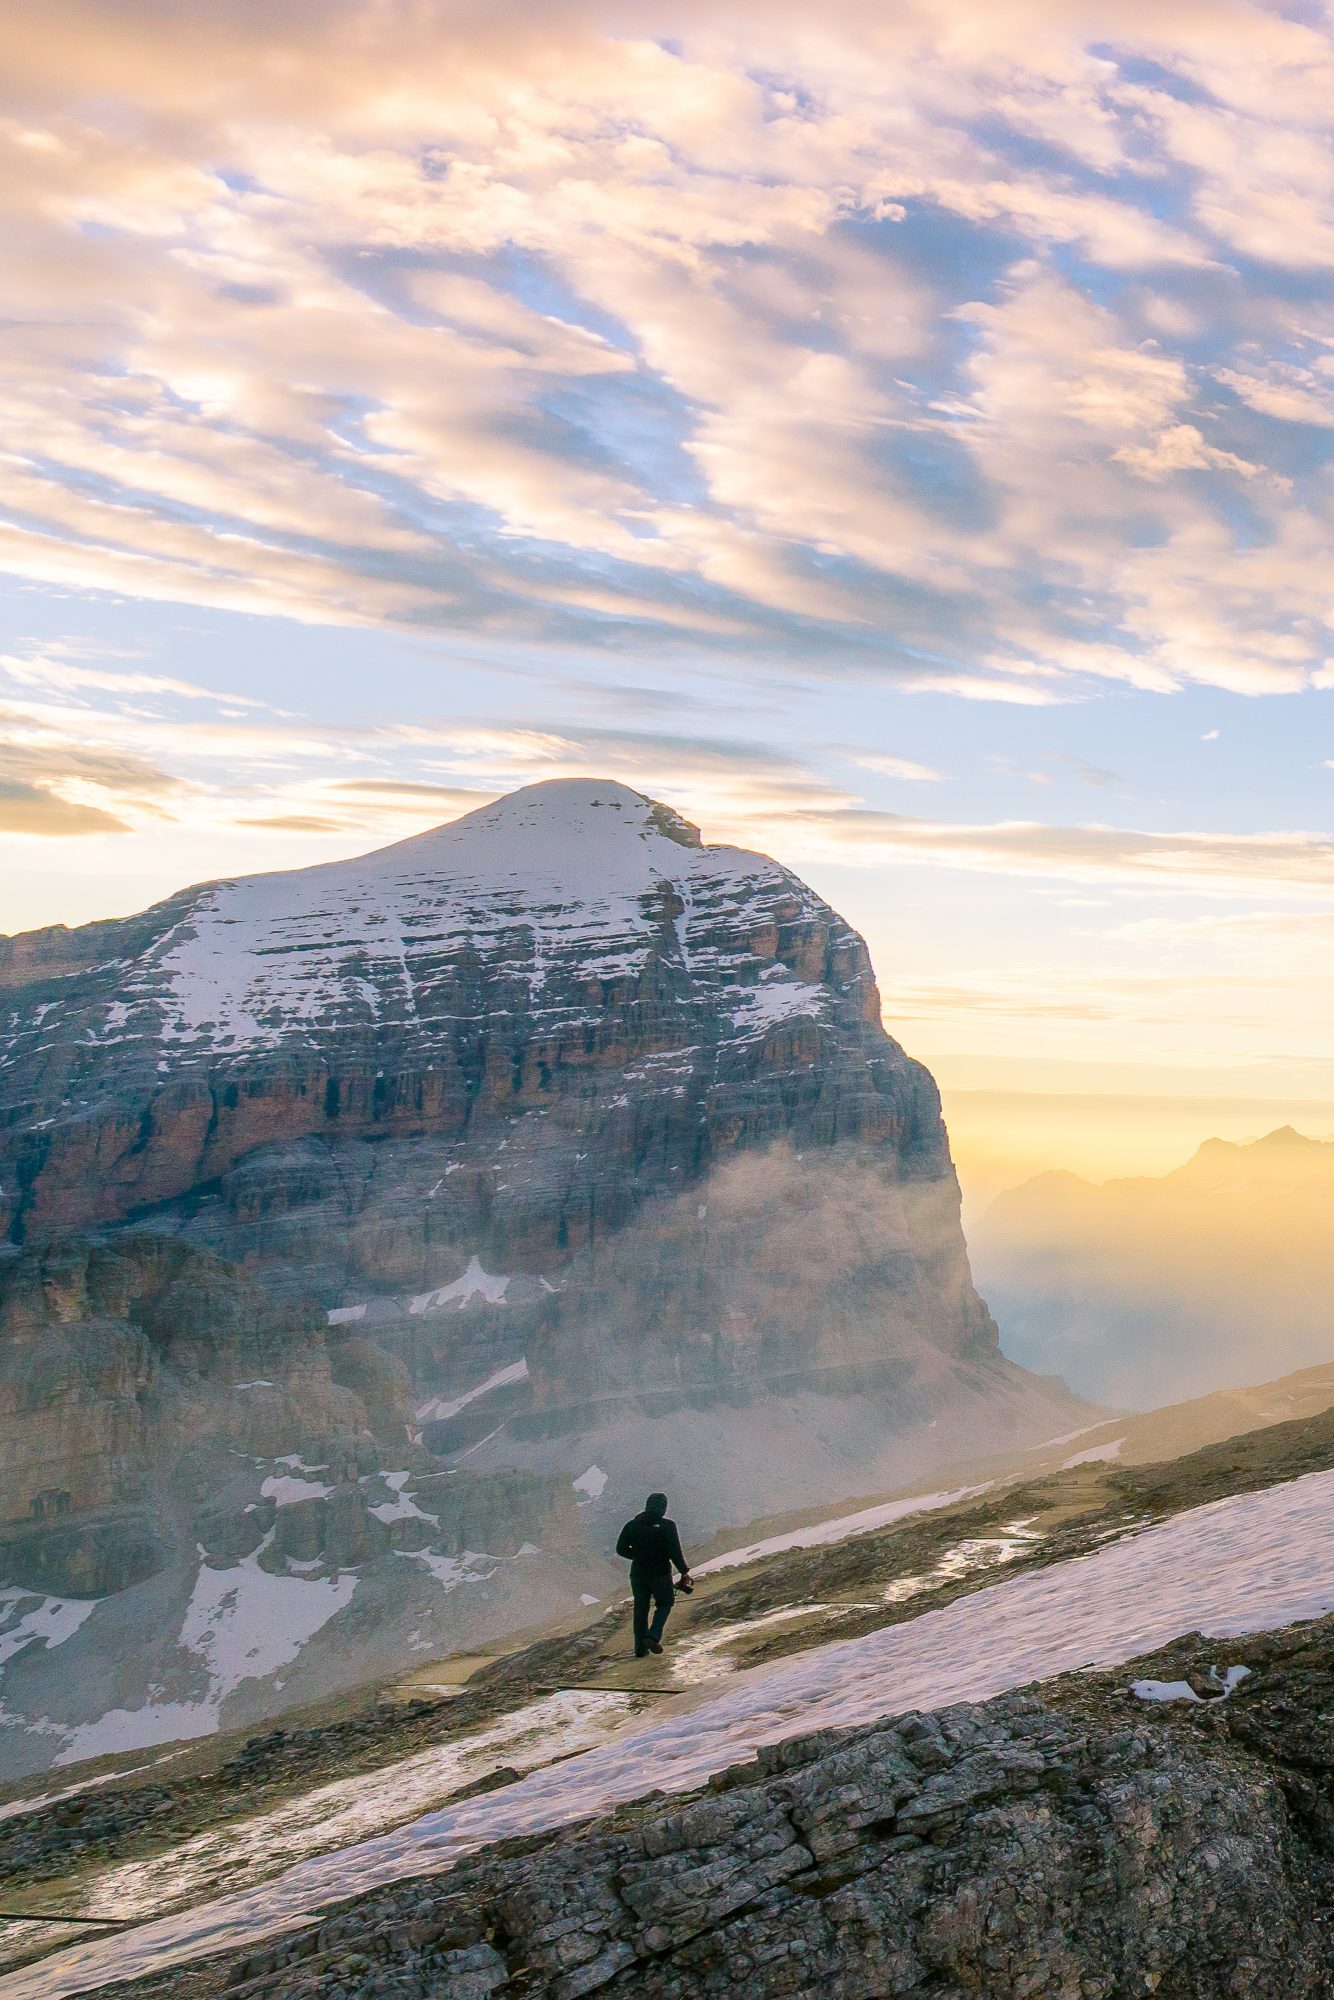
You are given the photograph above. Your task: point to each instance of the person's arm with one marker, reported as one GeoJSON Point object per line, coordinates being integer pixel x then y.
{"type": "Point", "coordinates": [675, 1552]}
{"type": "Point", "coordinates": [625, 1543]}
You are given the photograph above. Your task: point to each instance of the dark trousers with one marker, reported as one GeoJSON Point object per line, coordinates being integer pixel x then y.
{"type": "Point", "coordinates": [655, 1589]}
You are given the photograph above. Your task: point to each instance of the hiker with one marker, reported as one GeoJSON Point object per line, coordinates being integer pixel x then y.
{"type": "Point", "coordinates": [652, 1547]}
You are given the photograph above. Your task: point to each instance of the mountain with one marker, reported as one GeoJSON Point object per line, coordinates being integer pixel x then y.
{"type": "Point", "coordinates": [377, 1232]}
{"type": "Point", "coordinates": [1145, 1290]}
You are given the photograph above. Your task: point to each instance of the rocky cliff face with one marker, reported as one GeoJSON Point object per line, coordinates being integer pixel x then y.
{"type": "Point", "coordinates": [212, 1505]}
{"type": "Point", "coordinates": [571, 950]}
{"type": "Point", "coordinates": [498, 1047]}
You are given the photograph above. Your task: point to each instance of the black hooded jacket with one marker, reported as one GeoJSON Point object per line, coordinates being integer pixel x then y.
{"type": "Point", "coordinates": [651, 1545]}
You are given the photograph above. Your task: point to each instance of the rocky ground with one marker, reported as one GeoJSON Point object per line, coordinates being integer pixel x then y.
{"type": "Point", "coordinates": [1115, 1769]}
{"type": "Point", "coordinates": [1081, 1844]}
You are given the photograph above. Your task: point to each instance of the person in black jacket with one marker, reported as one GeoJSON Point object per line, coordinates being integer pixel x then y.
{"type": "Point", "coordinates": [652, 1547]}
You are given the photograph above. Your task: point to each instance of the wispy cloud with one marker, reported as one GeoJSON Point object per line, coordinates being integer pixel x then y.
{"type": "Point", "coordinates": [1235, 863]}
{"type": "Point", "coordinates": [902, 768]}
{"type": "Point", "coordinates": [524, 323]}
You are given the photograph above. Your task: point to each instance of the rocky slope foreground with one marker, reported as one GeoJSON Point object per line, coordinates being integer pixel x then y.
{"type": "Point", "coordinates": [377, 1232]}
{"type": "Point", "coordinates": [1001, 1851]}
{"type": "Point", "coordinates": [1126, 1831]}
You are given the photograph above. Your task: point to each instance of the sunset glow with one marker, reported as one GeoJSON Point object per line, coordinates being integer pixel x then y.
{"type": "Point", "coordinates": [899, 438]}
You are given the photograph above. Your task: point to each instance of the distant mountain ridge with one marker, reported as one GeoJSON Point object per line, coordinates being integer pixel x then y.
{"type": "Point", "coordinates": [1144, 1290]}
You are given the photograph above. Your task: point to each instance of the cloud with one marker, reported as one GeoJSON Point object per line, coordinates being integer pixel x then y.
{"type": "Point", "coordinates": [937, 345]}
{"type": "Point", "coordinates": [52, 783]}
{"type": "Point", "coordinates": [1096, 776]}
{"type": "Point", "coordinates": [897, 767]}
{"type": "Point", "coordinates": [297, 823]}
{"type": "Point", "coordinates": [54, 761]}
{"type": "Point", "coordinates": [51, 667]}
{"type": "Point", "coordinates": [28, 808]}
{"type": "Point", "coordinates": [408, 795]}
{"type": "Point", "coordinates": [1181, 448]}
{"type": "Point", "coordinates": [1296, 863]}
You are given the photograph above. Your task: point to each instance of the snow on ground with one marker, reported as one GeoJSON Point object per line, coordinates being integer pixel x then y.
{"type": "Point", "coordinates": [137, 1729]}
{"type": "Point", "coordinates": [345, 1315]}
{"type": "Point", "coordinates": [241, 1623]}
{"type": "Point", "coordinates": [475, 1283]}
{"type": "Point", "coordinates": [16, 1807]}
{"type": "Point", "coordinates": [1183, 1691]}
{"type": "Point", "coordinates": [339, 1814]}
{"type": "Point", "coordinates": [704, 1656]}
{"type": "Point", "coordinates": [438, 1407]}
{"type": "Point", "coordinates": [1249, 1563]}
{"type": "Point", "coordinates": [837, 1530]}
{"type": "Point", "coordinates": [245, 1623]}
{"type": "Point", "coordinates": [26, 1616]}
{"type": "Point", "coordinates": [450, 1571]}
{"type": "Point", "coordinates": [401, 1508]}
{"type": "Point", "coordinates": [288, 1488]}
{"type": "Point", "coordinates": [1066, 1437]}
{"type": "Point", "coordinates": [1094, 1455]}
{"type": "Point", "coordinates": [590, 1485]}
{"type": "Point", "coordinates": [756, 1009]}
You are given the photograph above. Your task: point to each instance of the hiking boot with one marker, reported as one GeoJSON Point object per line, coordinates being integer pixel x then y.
{"type": "Point", "coordinates": [655, 1645]}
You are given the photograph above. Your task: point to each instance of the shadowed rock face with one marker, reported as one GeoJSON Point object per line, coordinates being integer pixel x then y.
{"type": "Point", "coordinates": [143, 1382]}
{"type": "Point", "coordinates": [116, 1364]}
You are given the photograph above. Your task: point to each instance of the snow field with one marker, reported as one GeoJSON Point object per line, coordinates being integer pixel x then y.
{"type": "Point", "coordinates": [569, 865]}
{"type": "Point", "coordinates": [338, 1814]}
{"type": "Point", "coordinates": [26, 1616]}
{"type": "Point", "coordinates": [439, 1407]}
{"type": "Point", "coordinates": [241, 1623]}
{"type": "Point", "coordinates": [1252, 1562]}
{"type": "Point", "coordinates": [821, 1533]}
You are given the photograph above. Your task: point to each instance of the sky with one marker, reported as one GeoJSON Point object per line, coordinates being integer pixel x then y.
{"type": "Point", "coordinates": [899, 437]}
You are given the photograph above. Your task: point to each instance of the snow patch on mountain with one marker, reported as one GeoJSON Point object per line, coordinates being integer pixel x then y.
{"type": "Point", "coordinates": [241, 1623]}
{"type": "Point", "coordinates": [475, 1283]}
{"type": "Point", "coordinates": [440, 1406]}
{"type": "Point", "coordinates": [246, 1624]}
{"type": "Point", "coordinates": [27, 1617]}
{"type": "Point", "coordinates": [574, 867]}
{"type": "Point", "coordinates": [286, 1490]}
